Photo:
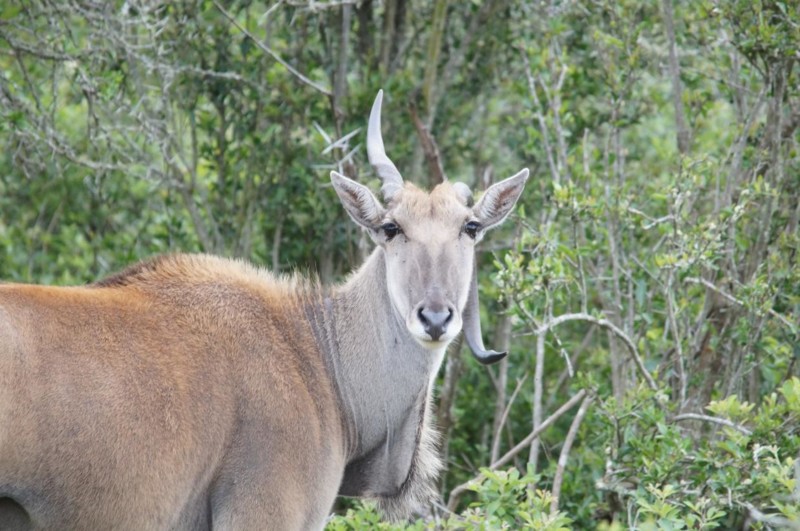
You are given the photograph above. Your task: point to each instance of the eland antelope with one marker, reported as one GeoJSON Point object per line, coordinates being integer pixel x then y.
{"type": "Point", "coordinates": [194, 392]}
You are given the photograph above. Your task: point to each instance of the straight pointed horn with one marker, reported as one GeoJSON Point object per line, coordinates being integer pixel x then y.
{"type": "Point", "coordinates": [387, 171]}
{"type": "Point", "coordinates": [472, 326]}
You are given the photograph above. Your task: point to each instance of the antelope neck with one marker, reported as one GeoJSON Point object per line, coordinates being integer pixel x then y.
{"type": "Point", "coordinates": [383, 379]}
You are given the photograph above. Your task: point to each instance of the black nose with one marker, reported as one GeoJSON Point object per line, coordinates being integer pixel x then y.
{"type": "Point", "coordinates": [435, 320]}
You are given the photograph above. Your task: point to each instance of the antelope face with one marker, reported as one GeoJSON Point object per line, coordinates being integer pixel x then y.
{"type": "Point", "coordinates": [428, 241]}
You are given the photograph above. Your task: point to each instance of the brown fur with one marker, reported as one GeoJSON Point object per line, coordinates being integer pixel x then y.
{"type": "Point", "coordinates": [159, 398]}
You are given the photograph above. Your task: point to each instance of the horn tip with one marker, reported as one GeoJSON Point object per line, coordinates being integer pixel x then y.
{"type": "Point", "coordinates": [488, 357]}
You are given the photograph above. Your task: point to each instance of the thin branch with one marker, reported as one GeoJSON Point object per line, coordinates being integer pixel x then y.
{"type": "Point", "coordinates": [262, 20]}
{"type": "Point", "coordinates": [564, 455]}
{"type": "Point", "coordinates": [684, 134]}
{"type": "Point", "coordinates": [715, 420]}
{"type": "Point", "coordinates": [778, 521]}
{"type": "Point", "coordinates": [731, 298]}
{"type": "Point", "coordinates": [673, 326]}
{"type": "Point", "coordinates": [429, 147]}
{"type": "Point", "coordinates": [454, 368]}
{"type": "Point", "coordinates": [313, 6]}
{"type": "Point", "coordinates": [552, 323]}
{"type": "Point", "coordinates": [504, 417]}
{"type": "Point", "coordinates": [539, 116]}
{"type": "Point", "coordinates": [457, 56]}
{"type": "Point", "coordinates": [503, 341]}
{"type": "Point", "coordinates": [340, 85]}
{"type": "Point", "coordinates": [565, 374]}
{"type": "Point", "coordinates": [342, 143]}
{"type": "Point", "coordinates": [266, 49]}
{"type": "Point", "coordinates": [438, 23]}
{"type": "Point", "coordinates": [458, 491]}
{"type": "Point", "coordinates": [538, 391]}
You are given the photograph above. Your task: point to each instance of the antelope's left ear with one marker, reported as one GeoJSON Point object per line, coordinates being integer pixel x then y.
{"type": "Point", "coordinates": [360, 203]}
{"type": "Point", "coordinates": [499, 199]}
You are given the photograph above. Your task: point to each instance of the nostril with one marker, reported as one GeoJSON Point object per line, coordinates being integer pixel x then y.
{"type": "Point", "coordinates": [422, 318]}
{"type": "Point", "coordinates": [449, 316]}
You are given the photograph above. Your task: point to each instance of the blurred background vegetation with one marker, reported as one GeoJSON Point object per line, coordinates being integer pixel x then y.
{"type": "Point", "coordinates": [648, 287]}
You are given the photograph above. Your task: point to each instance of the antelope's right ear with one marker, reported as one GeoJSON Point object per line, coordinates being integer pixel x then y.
{"type": "Point", "coordinates": [360, 203]}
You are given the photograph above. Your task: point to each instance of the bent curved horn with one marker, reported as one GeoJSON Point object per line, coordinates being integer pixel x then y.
{"type": "Point", "coordinates": [472, 326]}
{"type": "Point", "coordinates": [387, 171]}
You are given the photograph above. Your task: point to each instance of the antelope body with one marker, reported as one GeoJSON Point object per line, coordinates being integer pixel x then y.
{"type": "Point", "coordinates": [193, 392]}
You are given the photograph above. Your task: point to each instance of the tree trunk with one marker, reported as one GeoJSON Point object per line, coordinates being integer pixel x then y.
{"type": "Point", "coordinates": [366, 40]}
{"type": "Point", "coordinates": [502, 336]}
{"type": "Point", "coordinates": [683, 133]}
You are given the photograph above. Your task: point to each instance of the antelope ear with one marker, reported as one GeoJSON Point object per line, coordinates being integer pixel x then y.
{"type": "Point", "coordinates": [360, 203]}
{"type": "Point", "coordinates": [499, 199]}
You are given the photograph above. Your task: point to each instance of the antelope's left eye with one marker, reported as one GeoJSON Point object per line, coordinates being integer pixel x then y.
{"type": "Point", "coordinates": [471, 228]}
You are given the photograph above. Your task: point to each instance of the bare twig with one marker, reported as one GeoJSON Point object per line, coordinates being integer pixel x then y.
{"type": "Point", "coordinates": [502, 340]}
{"type": "Point", "coordinates": [683, 133]}
{"type": "Point", "coordinates": [504, 417]}
{"type": "Point", "coordinates": [565, 374]}
{"type": "Point", "coordinates": [266, 49]}
{"type": "Point", "coordinates": [457, 56]}
{"type": "Point", "coordinates": [437, 24]}
{"type": "Point", "coordinates": [538, 384]}
{"type": "Point", "coordinates": [342, 143]}
{"type": "Point", "coordinates": [454, 368]}
{"type": "Point", "coordinates": [539, 115]}
{"type": "Point", "coordinates": [340, 84]}
{"type": "Point", "coordinates": [262, 20]}
{"type": "Point", "coordinates": [673, 326]}
{"type": "Point", "coordinates": [313, 6]}
{"type": "Point", "coordinates": [564, 455]}
{"type": "Point", "coordinates": [771, 519]}
{"type": "Point", "coordinates": [731, 298]}
{"type": "Point", "coordinates": [429, 147]}
{"type": "Point", "coordinates": [458, 491]}
{"type": "Point", "coordinates": [715, 420]}
{"type": "Point", "coordinates": [552, 323]}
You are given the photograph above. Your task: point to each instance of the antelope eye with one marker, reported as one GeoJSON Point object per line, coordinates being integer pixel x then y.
{"type": "Point", "coordinates": [390, 230]}
{"type": "Point", "coordinates": [471, 228]}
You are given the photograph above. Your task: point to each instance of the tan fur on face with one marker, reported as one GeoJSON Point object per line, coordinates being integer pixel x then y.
{"type": "Point", "coordinates": [425, 215]}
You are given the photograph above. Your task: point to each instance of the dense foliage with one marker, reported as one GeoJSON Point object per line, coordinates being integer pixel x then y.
{"type": "Point", "coordinates": [648, 288]}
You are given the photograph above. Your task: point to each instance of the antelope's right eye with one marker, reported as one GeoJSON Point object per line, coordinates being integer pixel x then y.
{"type": "Point", "coordinates": [390, 230]}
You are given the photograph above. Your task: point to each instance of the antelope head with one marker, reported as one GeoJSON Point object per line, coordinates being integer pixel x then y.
{"type": "Point", "coordinates": [429, 244]}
